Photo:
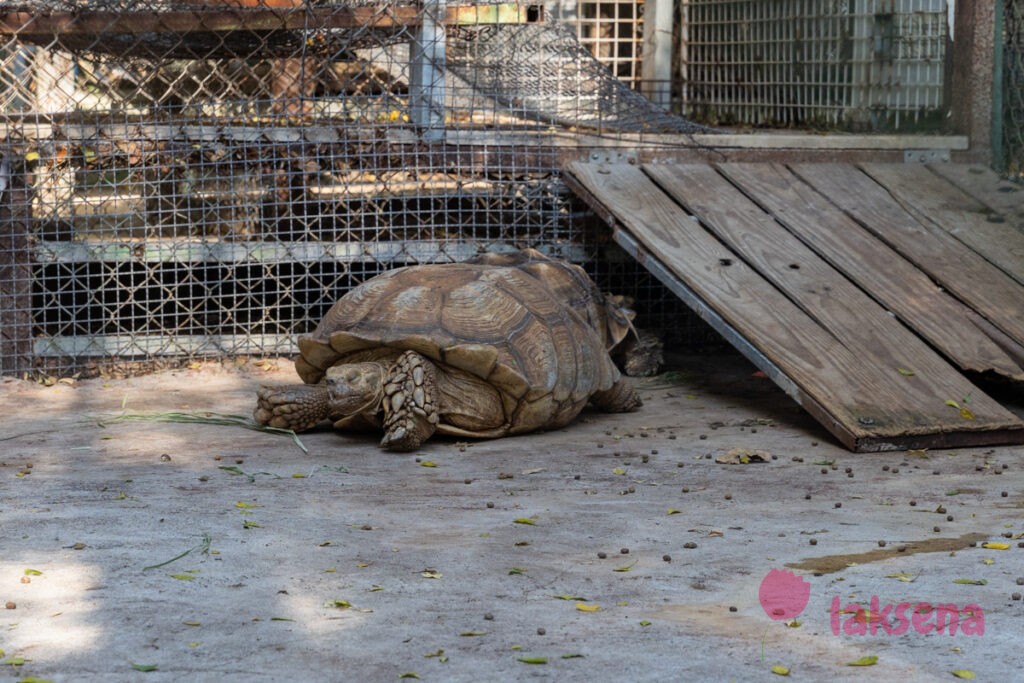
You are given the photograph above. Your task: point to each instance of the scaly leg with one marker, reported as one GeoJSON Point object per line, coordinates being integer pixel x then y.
{"type": "Point", "coordinates": [410, 403]}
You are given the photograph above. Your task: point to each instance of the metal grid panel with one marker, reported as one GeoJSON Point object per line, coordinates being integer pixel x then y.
{"type": "Point", "coordinates": [863, 64]}
{"type": "Point", "coordinates": [613, 32]}
{"type": "Point", "coordinates": [201, 179]}
{"type": "Point", "coordinates": [1013, 88]}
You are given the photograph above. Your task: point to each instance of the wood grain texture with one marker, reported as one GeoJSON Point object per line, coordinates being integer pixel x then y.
{"type": "Point", "coordinates": [937, 201]}
{"type": "Point", "coordinates": [988, 187]}
{"type": "Point", "coordinates": [899, 285]}
{"type": "Point", "coordinates": [963, 272]}
{"type": "Point", "coordinates": [838, 305]}
{"type": "Point", "coordinates": [863, 401]}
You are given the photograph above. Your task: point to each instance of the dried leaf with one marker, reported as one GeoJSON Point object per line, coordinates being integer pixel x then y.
{"type": "Point", "coordinates": [990, 546]}
{"type": "Point", "coordinates": [281, 619]}
{"type": "Point", "coordinates": [905, 372]}
{"type": "Point", "coordinates": [568, 596]}
{"type": "Point", "coordinates": [32, 156]}
{"type": "Point", "coordinates": [431, 574]}
{"type": "Point", "coordinates": [525, 520]}
{"type": "Point", "coordinates": [869, 660]}
{"type": "Point", "coordinates": [673, 511]}
{"type": "Point", "coordinates": [626, 568]}
{"type": "Point", "coordinates": [428, 463]}
{"type": "Point", "coordinates": [780, 670]}
{"type": "Point", "coordinates": [743, 456]}
{"type": "Point", "coordinates": [902, 576]}
{"type": "Point", "coordinates": [248, 524]}
{"type": "Point", "coordinates": [988, 561]}
{"type": "Point", "coordinates": [970, 582]}
{"type": "Point", "coordinates": [619, 471]}
{"type": "Point", "coordinates": [470, 634]}
{"type": "Point", "coordinates": [572, 655]}
{"type": "Point", "coordinates": [533, 660]}
{"type": "Point", "coordinates": [192, 623]}
{"type": "Point", "coordinates": [792, 623]}
{"type": "Point", "coordinates": [516, 570]}
{"type": "Point", "coordinates": [587, 608]}
{"type": "Point", "coordinates": [340, 604]}
{"type": "Point", "coordinates": [535, 470]}
{"type": "Point", "coordinates": [182, 577]}
{"type": "Point", "coordinates": [410, 674]}
{"type": "Point", "coordinates": [143, 667]}
{"type": "Point", "coordinates": [966, 674]}
{"type": "Point", "coordinates": [245, 506]}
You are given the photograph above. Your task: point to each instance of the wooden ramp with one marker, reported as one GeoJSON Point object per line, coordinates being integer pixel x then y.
{"type": "Point", "coordinates": [865, 292]}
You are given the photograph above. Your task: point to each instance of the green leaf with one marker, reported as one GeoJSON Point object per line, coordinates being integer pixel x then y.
{"type": "Point", "coordinates": [619, 471]}
{"type": "Point", "coordinates": [410, 674]}
{"type": "Point", "coordinates": [869, 660]}
{"type": "Point", "coordinates": [428, 463]}
{"type": "Point", "coordinates": [673, 511]}
{"type": "Point", "coordinates": [182, 577]}
{"type": "Point", "coordinates": [470, 634]}
{"type": "Point", "coordinates": [249, 524]}
{"type": "Point", "coordinates": [245, 506]}
{"type": "Point", "coordinates": [572, 655]}
{"type": "Point", "coordinates": [966, 674]}
{"type": "Point", "coordinates": [517, 570]}
{"type": "Point", "coordinates": [192, 623]}
{"type": "Point", "coordinates": [626, 568]}
{"type": "Point", "coordinates": [533, 660]}
{"type": "Point", "coordinates": [281, 619]}
{"type": "Point", "coordinates": [905, 372]}
{"type": "Point", "coordinates": [340, 604]}
{"type": "Point", "coordinates": [644, 622]}
{"type": "Point", "coordinates": [144, 667]}
{"type": "Point", "coordinates": [568, 596]}
{"type": "Point", "coordinates": [780, 670]}
{"type": "Point", "coordinates": [15, 661]}
{"type": "Point", "coordinates": [525, 520]}
{"type": "Point", "coordinates": [970, 582]}
{"type": "Point", "coordinates": [33, 572]}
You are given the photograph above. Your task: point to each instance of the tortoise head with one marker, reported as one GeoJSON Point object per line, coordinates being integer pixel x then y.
{"type": "Point", "coordinates": [354, 388]}
{"type": "Point", "coordinates": [345, 390]}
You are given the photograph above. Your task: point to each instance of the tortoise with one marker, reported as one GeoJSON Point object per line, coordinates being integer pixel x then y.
{"type": "Point", "coordinates": [485, 348]}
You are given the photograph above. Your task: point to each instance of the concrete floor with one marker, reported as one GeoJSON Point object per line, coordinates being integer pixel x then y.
{"type": "Point", "coordinates": [348, 563]}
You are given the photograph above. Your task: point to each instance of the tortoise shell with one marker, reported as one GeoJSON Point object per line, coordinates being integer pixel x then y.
{"type": "Point", "coordinates": [499, 323]}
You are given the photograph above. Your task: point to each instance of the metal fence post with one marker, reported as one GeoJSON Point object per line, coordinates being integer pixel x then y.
{"type": "Point", "coordinates": [427, 68]}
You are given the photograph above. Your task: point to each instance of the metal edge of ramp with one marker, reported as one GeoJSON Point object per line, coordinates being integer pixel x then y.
{"type": "Point", "coordinates": [833, 398]}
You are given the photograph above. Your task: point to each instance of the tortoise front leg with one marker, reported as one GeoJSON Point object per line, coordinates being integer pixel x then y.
{"type": "Point", "coordinates": [297, 406]}
{"type": "Point", "coordinates": [410, 403]}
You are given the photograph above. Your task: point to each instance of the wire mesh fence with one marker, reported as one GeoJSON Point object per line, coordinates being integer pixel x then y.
{"type": "Point", "coordinates": [1013, 88]}
{"type": "Point", "coordinates": [865, 65]}
{"type": "Point", "coordinates": [187, 179]}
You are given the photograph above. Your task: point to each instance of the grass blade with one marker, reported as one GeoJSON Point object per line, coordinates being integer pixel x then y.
{"type": "Point", "coordinates": [219, 419]}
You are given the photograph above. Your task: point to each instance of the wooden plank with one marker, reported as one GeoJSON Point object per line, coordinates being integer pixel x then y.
{"type": "Point", "coordinates": [864, 408]}
{"type": "Point", "coordinates": [988, 187]}
{"type": "Point", "coordinates": [975, 281]}
{"type": "Point", "coordinates": [834, 302]}
{"type": "Point", "coordinates": [894, 281]}
{"type": "Point", "coordinates": [935, 200]}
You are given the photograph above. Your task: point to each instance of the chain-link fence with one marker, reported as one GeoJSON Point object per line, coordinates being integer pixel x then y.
{"type": "Point", "coordinates": [1013, 88]}
{"type": "Point", "coordinates": [203, 178]}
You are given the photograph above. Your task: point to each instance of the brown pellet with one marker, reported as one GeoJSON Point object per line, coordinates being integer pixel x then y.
{"type": "Point", "coordinates": [602, 555]}
{"type": "Point", "coordinates": [1004, 494]}
{"type": "Point", "coordinates": [624, 551]}
{"type": "Point", "coordinates": [936, 529]}
{"type": "Point", "coordinates": [1015, 596]}
{"type": "Point", "coordinates": [913, 503]}
{"type": "Point", "coordinates": [11, 605]}
{"type": "Point", "coordinates": [949, 518]}
{"type": "Point", "coordinates": [490, 505]}
{"type": "Point", "coordinates": [733, 609]}
{"type": "Point", "coordinates": [689, 545]}
{"type": "Point", "coordinates": [541, 631]}
{"type": "Point", "coordinates": [881, 544]}
{"type": "Point", "coordinates": [666, 558]}
{"type": "Point", "coordinates": [813, 541]}
{"type": "Point", "coordinates": [839, 505]}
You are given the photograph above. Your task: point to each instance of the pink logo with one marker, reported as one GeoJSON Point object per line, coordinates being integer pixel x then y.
{"type": "Point", "coordinates": [783, 595]}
